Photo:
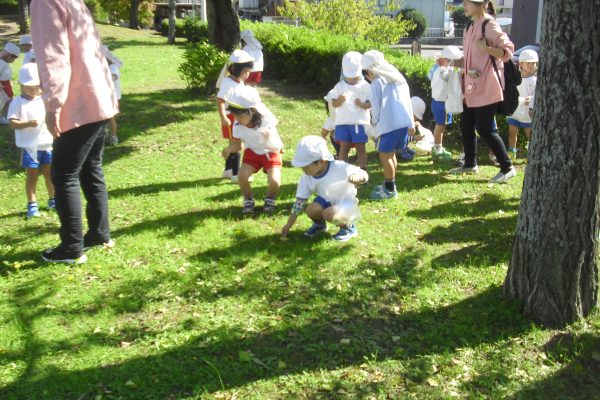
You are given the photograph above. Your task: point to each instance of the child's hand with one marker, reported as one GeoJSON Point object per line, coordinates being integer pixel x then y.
{"type": "Point", "coordinates": [33, 123]}
{"type": "Point", "coordinates": [527, 100]}
{"type": "Point", "coordinates": [342, 98]}
{"type": "Point", "coordinates": [284, 231]}
{"type": "Point", "coordinates": [356, 179]}
{"type": "Point", "coordinates": [418, 137]}
{"type": "Point", "coordinates": [225, 153]}
{"type": "Point", "coordinates": [411, 132]}
{"type": "Point", "coordinates": [358, 103]}
{"type": "Point", "coordinates": [324, 133]}
{"type": "Point", "coordinates": [225, 121]}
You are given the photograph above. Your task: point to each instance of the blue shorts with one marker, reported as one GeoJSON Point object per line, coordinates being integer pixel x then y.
{"type": "Point", "coordinates": [392, 141]}
{"type": "Point", "coordinates": [44, 157]}
{"type": "Point", "coordinates": [518, 124]}
{"type": "Point", "coordinates": [439, 113]}
{"type": "Point", "coordinates": [351, 134]}
{"type": "Point", "coordinates": [322, 202]}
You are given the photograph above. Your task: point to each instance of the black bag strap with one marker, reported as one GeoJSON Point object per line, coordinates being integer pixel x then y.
{"type": "Point", "coordinates": [485, 22]}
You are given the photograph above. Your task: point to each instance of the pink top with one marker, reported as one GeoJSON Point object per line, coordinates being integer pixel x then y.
{"type": "Point", "coordinates": [485, 89]}
{"type": "Point", "coordinates": [74, 75]}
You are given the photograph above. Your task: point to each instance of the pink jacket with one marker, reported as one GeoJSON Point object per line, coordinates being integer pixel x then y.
{"type": "Point", "coordinates": [74, 75]}
{"type": "Point", "coordinates": [485, 89]}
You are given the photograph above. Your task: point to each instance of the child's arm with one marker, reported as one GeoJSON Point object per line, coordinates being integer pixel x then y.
{"type": "Point", "coordinates": [234, 147]}
{"type": "Point", "coordinates": [221, 107]}
{"type": "Point", "coordinates": [296, 210]}
{"type": "Point", "coordinates": [365, 106]}
{"type": "Point", "coordinates": [339, 101]}
{"type": "Point", "coordinates": [18, 124]}
{"type": "Point", "coordinates": [358, 177]}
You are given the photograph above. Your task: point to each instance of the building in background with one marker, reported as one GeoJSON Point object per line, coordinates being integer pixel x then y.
{"type": "Point", "coordinates": [527, 22]}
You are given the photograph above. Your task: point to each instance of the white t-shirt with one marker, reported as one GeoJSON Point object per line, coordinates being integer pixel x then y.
{"type": "Point", "coordinates": [329, 124]}
{"type": "Point", "coordinates": [34, 138]}
{"type": "Point", "coordinates": [526, 89]}
{"type": "Point", "coordinates": [28, 57]}
{"type": "Point", "coordinates": [116, 77]}
{"type": "Point", "coordinates": [349, 113]}
{"type": "Point", "coordinates": [332, 185]}
{"type": "Point", "coordinates": [5, 71]}
{"type": "Point", "coordinates": [259, 62]}
{"type": "Point", "coordinates": [263, 139]}
{"type": "Point", "coordinates": [227, 88]}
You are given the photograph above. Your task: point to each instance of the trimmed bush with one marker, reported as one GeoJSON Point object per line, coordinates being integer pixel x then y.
{"type": "Point", "coordinates": [179, 30]}
{"type": "Point", "coordinates": [194, 30]}
{"type": "Point", "coordinates": [202, 66]}
{"type": "Point", "coordinates": [418, 19]}
{"type": "Point", "coordinates": [314, 57]}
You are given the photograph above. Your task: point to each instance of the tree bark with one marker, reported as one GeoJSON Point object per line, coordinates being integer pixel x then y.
{"type": "Point", "coordinates": [223, 24]}
{"type": "Point", "coordinates": [554, 265]}
{"type": "Point", "coordinates": [171, 33]}
{"type": "Point", "coordinates": [23, 16]}
{"type": "Point", "coordinates": [133, 14]}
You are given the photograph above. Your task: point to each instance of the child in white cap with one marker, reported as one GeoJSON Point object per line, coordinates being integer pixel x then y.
{"type": "Point", "coordinates": [26, 46]}
{"type": "Point", "coordinates": [252, 46]}
{"type": "Point", "coordinates": [114, 65]}
{"type": "Point", "coordinates": [234, 74]}
{"type": "Point", "coordinates": [332, 181]}
{"type": "Point", "coordinates": [255, 127]}
{"type": "Point", "coordinates": [7, 56]}
{"type": "Point", "coordinates": [392, 117]}
{"type": "Point", "coordinates": [439, 93]}
{"type": "Point", "coordinates": [528, 61]}
{"type": "Point", "coordinates": [350, 98]}
{"type": "Point", "coordinates": [27, 116]}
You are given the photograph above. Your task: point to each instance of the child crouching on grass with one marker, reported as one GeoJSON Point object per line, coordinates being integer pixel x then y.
{"type": "Point", "coordinates": [255, 127]}
{"type": "Point", "coordinates": [322, 175]}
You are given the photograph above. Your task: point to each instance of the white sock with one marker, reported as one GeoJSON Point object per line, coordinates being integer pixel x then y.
{"type": "Point", "coordinates": [437, 148]}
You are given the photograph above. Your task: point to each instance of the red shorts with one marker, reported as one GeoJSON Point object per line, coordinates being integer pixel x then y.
{"type": "Point", "coordinates": [255, 77]}
{"type": "Point", "coordinates": [227, 129]}
{"type": "Point", "coordinates": [264, 161]}
{"type": "Point", "coordinates": [7, 87]}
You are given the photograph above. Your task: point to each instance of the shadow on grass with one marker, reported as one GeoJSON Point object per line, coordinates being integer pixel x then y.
{"type": "Point", "coordinates": [302, 345]}
{"type": "Point", "coordinates": [159, 187]}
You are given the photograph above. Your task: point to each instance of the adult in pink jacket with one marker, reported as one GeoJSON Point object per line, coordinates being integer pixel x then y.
{"type": "Point", "coordinates": [78, 94]}
{"type": "Point", "coordinates": [481, 87]}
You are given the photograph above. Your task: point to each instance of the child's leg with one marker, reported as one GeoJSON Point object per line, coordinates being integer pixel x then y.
{"type": "Point", "coordinates": [274, 181]}
{"type": "Point", "coordinates": [344, 150]}
{"type": "Point", "coordinates": [361, 152]}
{"type": "Point", "coordinates": [31, 184]}
{"type": "Point", "coordinates": [49, 185]}
{"type": "Point", "coordinates": [244, 174]}
{"type": "Point", "coordinates": [513, 132]}
{"type": "Point", "coordinates": [315, 212]}
{"type": "Point", "coordinates": [438, 134]}
{"type": "Point", "coordinates": [113, 126]}
{"type": "Point", "coordinates": [389, 162]}
{"type": "Point", "coordinates": [328, 213]}
{"type": "Point", "coordinates": [528, 133]}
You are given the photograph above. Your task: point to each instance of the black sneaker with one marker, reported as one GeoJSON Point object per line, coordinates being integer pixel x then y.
{"type": "Point", "coordinates": [89, 244]}
{"type": "Point", "coordinates": [58, 255]}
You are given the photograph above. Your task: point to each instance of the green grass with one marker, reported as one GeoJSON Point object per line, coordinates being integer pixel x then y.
{"type": "Point", "coordinates": [197, 302]}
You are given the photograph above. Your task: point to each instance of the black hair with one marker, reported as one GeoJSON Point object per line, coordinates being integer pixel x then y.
{"type": "Point", "coordinates": [490, 8]}
{"type": "Point", "coordinates": [236, 69]}
{"type": "Point", "coordinates": [256, 119]}
{"type": "Point", "coordinates": [365, 75]}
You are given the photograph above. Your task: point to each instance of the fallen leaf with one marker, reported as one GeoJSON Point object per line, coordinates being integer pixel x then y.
{"type": "Point", "coordinates": [97, 330]}
{"type": "Point", "coordinates": [395, 338]}
{"type": "Point", "coordinates": [130, 384]}
{"type": "Point", "coordinates": [124, 344]}
{"type": "Point", "coordinates": [281, 365]}
{"type": "Point", "coordinates": [432, 382]}
{"type": "Point", "coordinates": [345, 341]}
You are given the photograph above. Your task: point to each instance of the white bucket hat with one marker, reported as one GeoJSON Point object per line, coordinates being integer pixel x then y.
{"type": "Point", "coordinates": [28, 75]}
{"type": "Point", "coordinates": [248, 37]}
{"type": "Point", "coordinates": [528, 56]}
{"type": "Point", "coordinates": [240, 57]}
{"type": "Point", "coordinates": [351, 64]}
{"type": "Point", "coordinates": [418, 106]}
{"type": "Point", "coordinates": [311, 149]}
{"type": "Point", "coordinates": [244, 97]}
{"type": "Point", "coordinates": [374, 61]}
{"type": "Point", "coordinates": [12, 49]}
{"type": "Point", "coordinates": [25, 39]}
{"type": "Point", "coordinates": [452, 53]}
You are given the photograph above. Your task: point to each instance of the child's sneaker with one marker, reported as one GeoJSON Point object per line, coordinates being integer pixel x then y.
{"type": "Point", "coordinates": [269, 207]}
{"type": "Point", "coordinates": [406, 154]}
{"type": "Point", "coordinates": [227, 174]}
{"type": "Point", "coordinates": [32, 210]}
{"type": "Point", "coordinates": [58, 255]}
{"type": "Point", "coordinates": [316, 229]}
{"type": "Point", "coordinates": [441, 155]}
{"type": "Point", "coordinates": [464, 170]}
{"type": "Point", "coordinates": [248, 207]}
{"type": "Point", "coordinates": [345, 233]}
{"type": "Point", "coordinates": [234, 179]}
{"type": "Point", "coordinates": [52, 204]}
{"type": "Point", "coordinates": [382, 193]}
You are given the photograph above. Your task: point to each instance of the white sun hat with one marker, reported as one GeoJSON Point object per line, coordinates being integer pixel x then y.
{"type": "Point", "coordinates": [452, 53]}
{"type": "Point", "coordinates": [25, 39]}
{"type": "Point", "coordinates": [311, 149]}
{"type": "Point", "coordinates": [528, 56]}
{"type": "Point", "coordinates": [244, 97]}
{"type": "Point", "coordinates": [28, 75]}
{"type": "Point", "coordinates": [248, 37]}
{"type": "Point", "coordinates": [374, 61]}
{"type": "Point", "coordinates": [12, 49]}
{"type": "Point", "coordinates": [418, 106]}
{"type": "Point", "coordinates": [351, 64]}
{"type": "Point", "coordinates": [240, 57]}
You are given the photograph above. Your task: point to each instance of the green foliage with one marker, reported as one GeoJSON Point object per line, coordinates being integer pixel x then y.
{"type": "Point", "coordinates": [179, 27]}
{"type": "Point", "coordinates": [202, 66]}
{"type": "Point", "coordinates": [119, 10]}
{"type": "Point", "coordinates": [459, 17]}
{"type": "Point", "coordinates": [8, 7]}
{"type": "Point", "coordinates": [194, 30]}
{"type": "Point", "coordinates": [314, 57]}
{"type": "Point", "coordinates": [348, 17]}
{"type": "Point", "coordinates": [418, 20]}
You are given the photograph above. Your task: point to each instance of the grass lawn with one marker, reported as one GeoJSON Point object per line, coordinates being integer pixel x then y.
{"type": "Point", "coordinates": [197, 302]}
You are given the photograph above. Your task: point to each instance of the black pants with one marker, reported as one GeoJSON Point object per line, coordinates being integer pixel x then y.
{"type": "Point", "coordinates": [482, 120]}
{"type": "Point", "coordinates": [77, 163]}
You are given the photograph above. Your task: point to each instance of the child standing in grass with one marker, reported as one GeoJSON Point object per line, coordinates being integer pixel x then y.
{"type": "Point", "coordinates": [255, 127]}
{"type": "Point", "coordinates": [327, 178]}
{"type": "Point", "coordinates": [252, 46]}
{"type": "Point", "coordinates": [234, 73]}
{"type": "Point", "coordinates": [528, 60]}
{"type": "Point", "coordinates": [392, 117]}
{"type": "Point", "coordinates": [26, 47]}
{"type": "Point", "coordinates": [350, 98]}
{"type": "Point", "coordinates": [27, 117]}
{"type": "Point", "coordinates": [114, 64]}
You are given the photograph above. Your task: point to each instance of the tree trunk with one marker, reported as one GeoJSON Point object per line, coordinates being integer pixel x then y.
{"type": "Point", "coordinates": [171, 33]}
{"type": "Point", "coordinates": [223, 24]}
{"type": "Point", "coordinates": [554, 265]}
{"type": "Point", "coordinates": [133, 14]}
{"type": "Point", "coordinates": [23, 16]}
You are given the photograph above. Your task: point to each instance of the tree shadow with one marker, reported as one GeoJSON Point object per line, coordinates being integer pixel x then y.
{"type": "Point", "coordinates": [160, 187]}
